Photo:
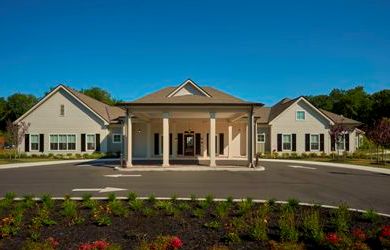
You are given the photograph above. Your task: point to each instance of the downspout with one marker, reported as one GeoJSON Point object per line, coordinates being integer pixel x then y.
{"type": "Point", "coordinates": [250, 137]}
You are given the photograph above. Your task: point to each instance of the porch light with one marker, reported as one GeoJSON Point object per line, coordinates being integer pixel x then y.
{"type": "Point", "coordinates": [139, 131]}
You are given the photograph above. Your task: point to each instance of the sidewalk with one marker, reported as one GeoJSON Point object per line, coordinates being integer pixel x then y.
{"type": "Point", "coordinates": [330, 164]}
{"type": "Point", "coordinates": [159, 168]}
{"type": "Point", "coordinates": [49, 163]}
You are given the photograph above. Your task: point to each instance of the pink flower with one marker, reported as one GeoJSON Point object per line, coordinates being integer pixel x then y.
{"type": "Point", "coordinates": [333, 238]}
{"type": "Point", "coordinates": [176, 242]}
{"type": "Point", "coordinates": [53, 242]}
{"type": "Point", "coordinates": [97, 245]}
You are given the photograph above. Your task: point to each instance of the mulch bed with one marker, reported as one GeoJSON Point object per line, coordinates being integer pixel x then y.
{"type": "Point", "coordinates": [130, 230]}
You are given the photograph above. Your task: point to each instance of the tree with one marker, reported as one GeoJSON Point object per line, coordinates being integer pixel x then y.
{"type": "Point", "coordinates": [3, 108]}
{"type": "Point", "coordinates": [100, 95]}
{"type": "Point", "coordinates": [380, 105]}
{"type": "Point", "coordinates": [321, 101]}
{"type": "Point", "coordinates": [15, 134]}
{"type": "Point", "coordinates": [18, 104]}
{"type": "Point", "coordinates": [380, 135]}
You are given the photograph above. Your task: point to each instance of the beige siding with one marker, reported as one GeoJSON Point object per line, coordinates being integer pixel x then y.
{"type": "Point", "coordinates": [46, 119]}
{"type": "Point", "coordinates": [314, 123]}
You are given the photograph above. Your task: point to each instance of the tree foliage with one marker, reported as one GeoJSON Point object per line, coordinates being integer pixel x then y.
{"type": "Point", "coordinates": [100, 95]}
{"type": "Point", "coordinates": [355, 103]}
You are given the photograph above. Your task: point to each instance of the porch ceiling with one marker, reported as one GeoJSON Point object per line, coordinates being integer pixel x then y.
{"type": "Point", "coordinates": [189, 115]}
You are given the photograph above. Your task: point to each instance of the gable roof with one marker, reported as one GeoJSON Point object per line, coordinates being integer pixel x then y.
{"type": "Point", "coordinates": [164, 97]}
{"type": "Point", "coordinates": [339, 119]}
{"type": "Point", "coordinates": [267, 114]}
{"type": "Point", "coordinates": [187, 83]}
{"type": "Point", "coordinates": [107, 113]}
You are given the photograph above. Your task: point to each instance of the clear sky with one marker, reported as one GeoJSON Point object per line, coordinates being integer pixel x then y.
{"type": "Point", "coordinates": [257, 50]}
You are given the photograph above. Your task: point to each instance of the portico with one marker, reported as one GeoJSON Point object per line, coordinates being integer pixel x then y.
{"type": "Point", "coordinates": [186, 124]}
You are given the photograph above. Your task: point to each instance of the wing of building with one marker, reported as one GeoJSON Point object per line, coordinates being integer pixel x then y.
{"type": "Point", "coordinates": [184, 122]}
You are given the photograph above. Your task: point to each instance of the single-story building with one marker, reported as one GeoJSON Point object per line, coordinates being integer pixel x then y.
{"type": "Point", "coordinates": [186, 122]}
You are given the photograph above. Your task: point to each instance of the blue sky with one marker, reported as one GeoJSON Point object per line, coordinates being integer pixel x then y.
{"type": "Point", "coordinates": [257, 50]}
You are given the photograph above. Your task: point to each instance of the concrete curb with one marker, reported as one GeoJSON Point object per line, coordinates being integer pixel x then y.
{"type": "Point", "coordinates": [202, 199]}
{"type": "Point", "coordinates": [50, 163]}
{"type": "Point", "coordinates": [330, 164]}
{"type": "Point", "coordinates": [188, 169]}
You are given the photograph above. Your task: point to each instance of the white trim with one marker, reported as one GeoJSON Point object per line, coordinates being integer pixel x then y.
{"type": "Point", "coordinates": [52, 93]}
{"type": "Point", "coordinates": [34, 150]}
{"type": "Point", "coordinates": [58, 143]}
{"type": "Point", "coordinates": [185, 83]}
{"type": "Point", "coordinates": [86, 142]}
{"type": "Point", "coordinates": [319, 143]}
{"type": "Point", "coordinates": [257, 137]}
{"type": "Point", "coordinates": [304, 115]}
{"type": "Point", "coordinates": [311, 105]}
{"type": "Point", "coordinates": [113, 138]}
{"type": "Point", "coordinates": [287, 150]}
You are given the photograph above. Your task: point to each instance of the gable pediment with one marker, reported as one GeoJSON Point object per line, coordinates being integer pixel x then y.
{"type": "Point", "coordinates": [188, 88]}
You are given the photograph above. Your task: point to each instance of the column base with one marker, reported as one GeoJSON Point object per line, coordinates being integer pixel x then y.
{"type": "Point", "coordinates": [164, 165]}
{"type": "Point", "coordinates": [127, 165]}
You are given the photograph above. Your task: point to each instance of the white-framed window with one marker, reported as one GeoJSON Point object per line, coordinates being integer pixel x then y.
{"type": "Point", "coordinates": [62, 142]}
{"type": "Point", "coordinates": [286, 141]}
{"type": "Point", "coordinates": [261, 137]}
{"type": "Point", "coordinates": [71, 142]}
{"type": "Point", "coordinates": [91, 142]}
{"type": "Point", "coordinates": [314, 142]}
{"type": "Point", "coordinates": [116, 138]}
{"type": "Point", "coordinates": [300, 115]}
{"type": "Point", "coordinates": [34, 142]}
{"type": "Point", "coordinates": [53, 142]}
{"type": "Point", "coordinates": [62, 110]}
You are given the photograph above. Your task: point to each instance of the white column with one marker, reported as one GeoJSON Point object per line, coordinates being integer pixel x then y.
{"type": "Point", "coordinates": [250, 139]}
{"type": "Point", "coordinates": [124, 144]}
{"type": "Point", "coordinates": [246, 140]}
{"type": "Point", "coordinates": [165, 140]}
{"type": "Point", "coordinates": [174, 141]}
{"type": "Point", "coordinates": [212, 140]}
{"type": "Point", "coordinates": [230, 141]}
{"type": "Point", "coordinates": [129, 141]}
{"type": "Point", "coordinates": [148, 144]}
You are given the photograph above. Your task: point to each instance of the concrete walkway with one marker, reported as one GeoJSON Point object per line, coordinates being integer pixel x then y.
{"type": "Point", "coordinates": [159, 168]}
{"type": "Point", "coordinates": [49, 163]}
{"type": "Point", "coordinates": [330, 164]}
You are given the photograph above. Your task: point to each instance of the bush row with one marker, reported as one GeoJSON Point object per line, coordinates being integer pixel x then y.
{"type": "Point", "coordinates": [284, 155]}
{"type": "Point", "coordinates": [65, 156]}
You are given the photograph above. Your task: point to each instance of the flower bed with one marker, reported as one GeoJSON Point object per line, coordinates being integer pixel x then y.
{"type": "Point", "coordinates": [175, 224]}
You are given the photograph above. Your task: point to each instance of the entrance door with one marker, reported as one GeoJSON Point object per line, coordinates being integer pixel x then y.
{"type": "Point", "coordinates": [189, 145]}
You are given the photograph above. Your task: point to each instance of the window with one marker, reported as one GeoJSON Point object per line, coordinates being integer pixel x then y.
{"type": "Point", "coordinates": [261, 137]}
{"type": "Point", "coordinates": [53, 142]}
{"type": "Point", "coordinates": [34, 142]}
{"type": "Point", "coordinates": [63, 142]}
{"type": "Point", "coordinates": [314, 142]}
{"type": "Point", "coordinates": [62, 110]}
{"type": "Point", "coordinates": [286, 142]}
{"type": "Point", "coordinates": [116, 138]}
{"type": "Point", "coordinates": [91, 142]}
{"type": "Point", "coordinates": [300, 116]}
{"type": "Point", "coordinates": [340, 144]}
{"type": "Point", "coordinates": [71, 142]}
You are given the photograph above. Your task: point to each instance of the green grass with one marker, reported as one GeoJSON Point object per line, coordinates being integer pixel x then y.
{"type": "Point", "coordinates": [8, 161]}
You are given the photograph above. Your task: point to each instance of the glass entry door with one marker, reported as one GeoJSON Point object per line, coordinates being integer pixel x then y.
{"type": "Point", "coordinates": [189, 145]}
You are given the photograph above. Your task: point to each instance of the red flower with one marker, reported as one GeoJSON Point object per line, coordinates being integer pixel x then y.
{"type": "Point", "coordinates": [385, 231]}
{"type": "Point", "coordinates": [333, 238]}
{"type": "Point", "coordinates": [53, 242]}
{"type": "Point", "coordinates": [359, 234]}
{"type": "Point", "coordinates": [97, 245]}
{"type": "Point", "coordinates": [176, 242]}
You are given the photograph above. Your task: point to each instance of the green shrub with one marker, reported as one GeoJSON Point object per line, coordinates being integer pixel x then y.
{"type": "Point", "coordinates": [288, 230]}
{"type": "Point", "coordinates": [184, 206]}
{"type": "Point", "coordinates": [323, 155]}
{"type": "Point", "coordinates": [100, 215]}
{"type": "Point", "coordinates": [285, 155]}
{"type": "Point", "coordinates": [229, 200]}
{"type": "Point", "coordinates": [131, 196]}
{"type": "Point", "coordinates": [33, 245]}
{"type": "Point", "coordinates": [294, 156]}
{"type": "Point", "coordinates": [304, 155]}
{"type": "Point", "coordinates": [212, 224]}
{"type": "Point", "coordinates": [152, 198]}
{"type": "Point", "coordinates": [50, 155]}
{"type": "Point", "coordinates": [341, 219]}
{"type": "Point", "coordinates": [29, 201]}
{"type": "Point", "coordinates": [136, 205]}
{"type": "Point", "coordinates": [147, 211]}
{"type": "Point", "coordinates": [193, 197]}
{"type": "Point", "coordinates": [69, 209]}
{"type": "Point", "coordinates": [117, 208]}
{"type": "Point", "coordinates": [209, 199]}
{"type": "Point", "coordinates": [271, 203]}
{"type": "Point", "coordinates": [222, 209]}
{"type": "Point", "coordinates": [198, 213]}
{"type": "Point", "coordinates": [166, 206]}
{"type": "Point", "coordinates": [244, 206]}
{"type": "Point", "coordinates": [232, 237]}
{"type": "Point", "coordinates": [370, 215]}
{"type": "Point", "coordinates": [313, 155]}
{"type": "Point", "coordinates": [312, 227]}
{"type": "Point", "coordinates": [259, 230]}
{"type": "Point", "coordinates": [111, 197]}
{"type": "Point", "coordinates": [293, 203]}
{"type": "Point", "coordinates": [174, 197]}
{"type": "Point", "coordinates": [47, 201]}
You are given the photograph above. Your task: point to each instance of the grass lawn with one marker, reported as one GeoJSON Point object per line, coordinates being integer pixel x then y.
{"type": "Point", "coordinates": [193, 224]}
